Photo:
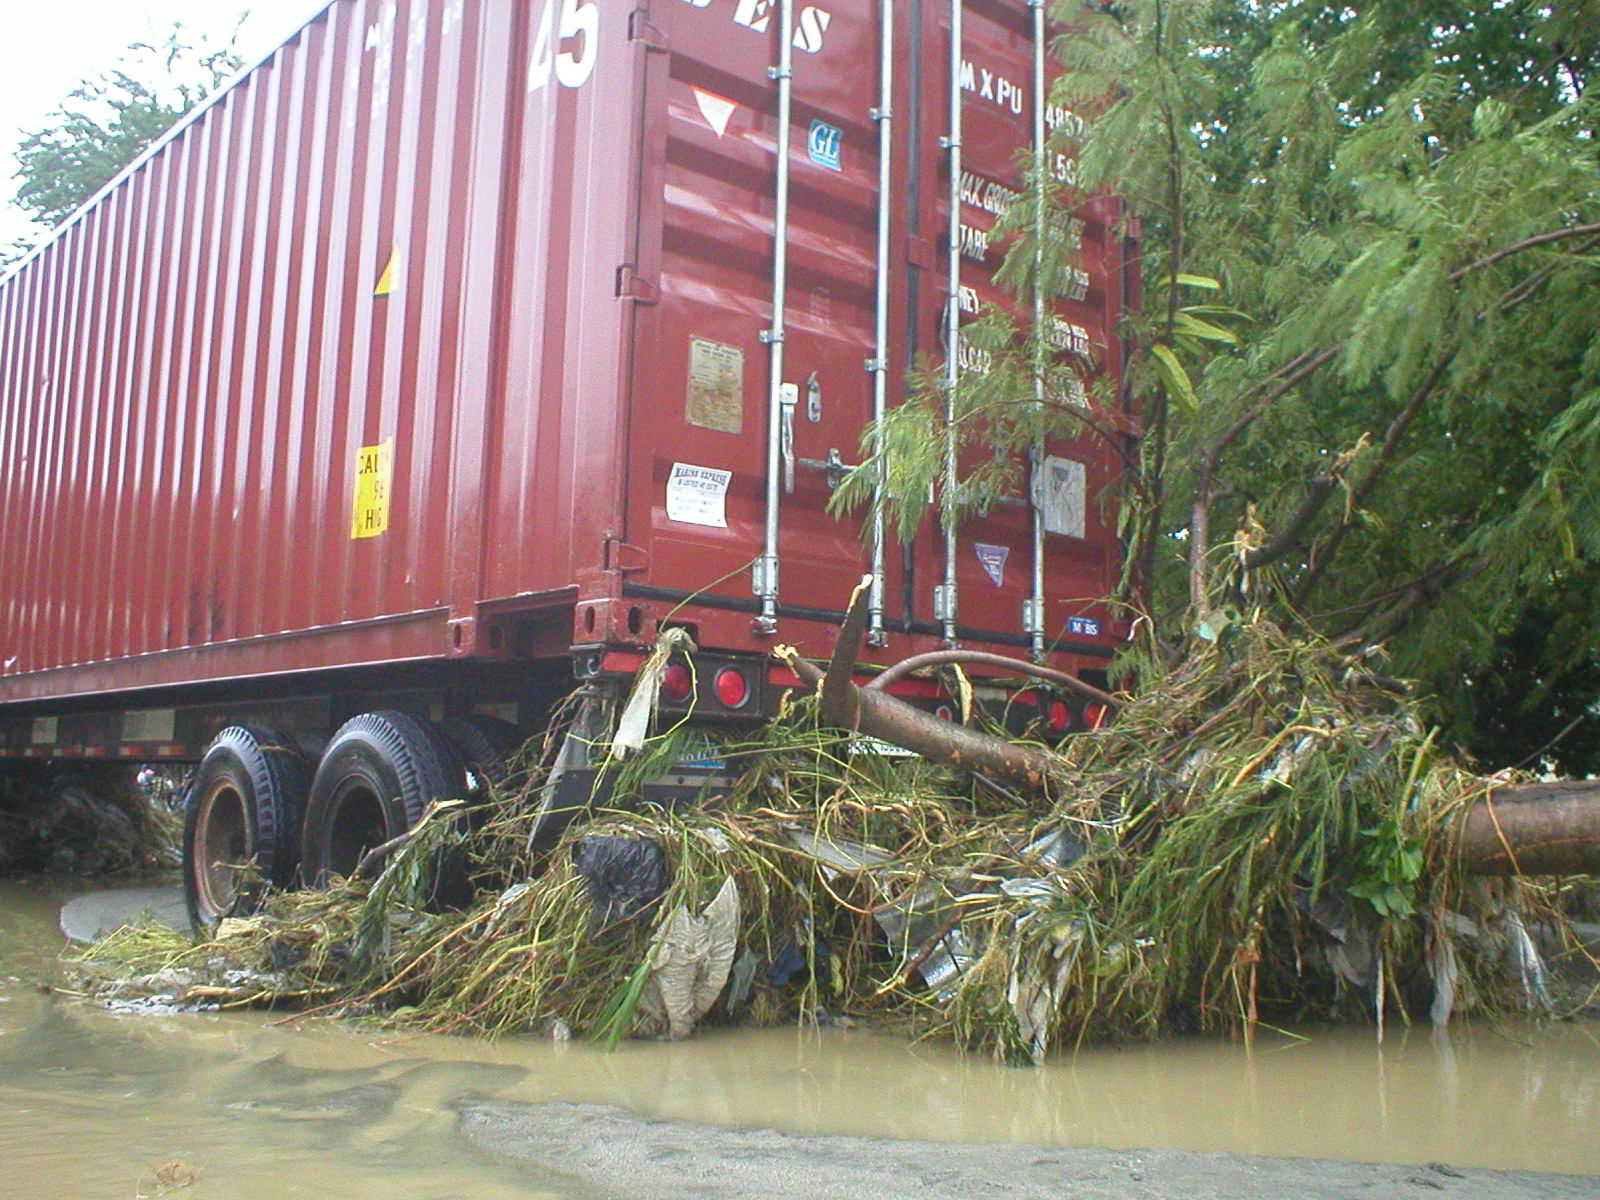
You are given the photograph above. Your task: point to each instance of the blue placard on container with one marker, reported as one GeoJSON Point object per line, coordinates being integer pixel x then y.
{"type": "Point", "coordinates": [1083, 627]}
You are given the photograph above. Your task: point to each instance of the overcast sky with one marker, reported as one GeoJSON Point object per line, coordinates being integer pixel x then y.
{"type": "Point", "coordinates": [49, 47]}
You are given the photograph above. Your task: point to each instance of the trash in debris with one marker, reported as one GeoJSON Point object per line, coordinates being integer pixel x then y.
{"type": "Point", "coordinates": [690, 958]}
{"type": "Point", "coordinates": [623, 876]}
{"type": "Point", "coordinates": [792, 963]}
{"type": "Point", "coordinates": [634, 724]}
{"type": "Point", "coordinates": [86, 822]}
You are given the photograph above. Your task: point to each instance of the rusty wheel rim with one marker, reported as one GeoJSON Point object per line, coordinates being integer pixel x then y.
{"type": "Point", "coordinates": [221, 850]}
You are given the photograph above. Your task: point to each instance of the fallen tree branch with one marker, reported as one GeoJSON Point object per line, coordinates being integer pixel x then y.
{"type": "Point", "coordinates": [372, 862]}
{"type": "Point", "coordinates": [978, 658]}
{"type": "Point", "coordinates": [880, 715]}
{"type": "Point", "coordinates": [1534, 829]}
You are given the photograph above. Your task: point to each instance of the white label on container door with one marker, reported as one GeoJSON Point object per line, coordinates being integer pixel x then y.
{"type": "Point", "coordinates": [1060, 490]}
{"type": "Point", "coordinates": [717, 110]}
{"type": "Point", "coordinates": [698, 495]}
{"type": "Point", "coordinates": [44, 731]}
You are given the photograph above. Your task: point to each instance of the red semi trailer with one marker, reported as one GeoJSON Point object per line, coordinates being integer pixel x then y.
{"type": "Point", "coordinates": [462, 345]}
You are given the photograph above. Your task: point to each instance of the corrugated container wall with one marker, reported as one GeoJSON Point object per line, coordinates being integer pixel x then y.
{"type": "Point", "coordinates": [431, 311]}
{"type": "Point", "coordinates": [298, 291]}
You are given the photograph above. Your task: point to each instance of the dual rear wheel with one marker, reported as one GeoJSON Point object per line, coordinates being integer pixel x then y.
{"type": "Point", "coordinates": [259, 817]}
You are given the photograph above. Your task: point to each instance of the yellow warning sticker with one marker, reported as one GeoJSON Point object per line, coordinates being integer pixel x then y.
{"type": "Point", "coordinates": [374, 471]}
{"type": "Point", "coordinates": [389, 281]}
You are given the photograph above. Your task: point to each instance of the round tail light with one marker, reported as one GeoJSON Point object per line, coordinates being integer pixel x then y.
{"type": "Point", "coordinates": [1060, 716]}
{"type": "Point", "coordinates": [731, 687]}
{"type": "Point", "coordinates": [677, 682]}
{"type": "Point", "coordinates": [1094, 716]}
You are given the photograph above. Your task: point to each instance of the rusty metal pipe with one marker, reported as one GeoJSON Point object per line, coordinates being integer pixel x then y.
{"type": "Point", "coordinates": [979, 658]}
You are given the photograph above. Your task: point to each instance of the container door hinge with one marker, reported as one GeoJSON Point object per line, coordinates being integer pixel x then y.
{"type": "Point", "coordinates": [624, 557]}
{"type": "Point", "coordinates": [640, 30]}
{"type": "Point", "coordinates": [1033, 617]}
{"type": "Point", "coordinates": [635, 287]}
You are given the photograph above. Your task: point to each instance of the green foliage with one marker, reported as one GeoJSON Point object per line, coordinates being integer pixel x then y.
{"type": "Point", "coordinates": [1388, 865]}
{"type": "Point", "coordinates": [109, 119]}
{"type": "Point", "coordinates": [1405, 200]}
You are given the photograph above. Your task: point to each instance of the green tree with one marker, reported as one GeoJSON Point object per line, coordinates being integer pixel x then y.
{"type": "Point", "coordinates": [108, 120]}
{"type": "Point", "coordinates": [1398, 444]}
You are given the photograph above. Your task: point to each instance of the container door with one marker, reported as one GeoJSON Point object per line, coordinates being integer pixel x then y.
{"type": "Point", "coordinates": [984, 592]}
{"type": "Point", "coordinates": [703, 385]}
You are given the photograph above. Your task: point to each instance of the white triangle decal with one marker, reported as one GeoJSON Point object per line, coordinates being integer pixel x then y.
{"type": "Point", "coordinates": [715, 109]}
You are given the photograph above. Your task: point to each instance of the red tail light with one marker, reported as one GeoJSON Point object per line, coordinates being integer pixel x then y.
{"type": "Point", "coordinates": [1060, 716]}
{"type": "Point", "coordinates": [1095, 715]}
{"type": "Point", "coordinates": [731, 687]}
{"type": "Point", "coordinates": [676, 683]}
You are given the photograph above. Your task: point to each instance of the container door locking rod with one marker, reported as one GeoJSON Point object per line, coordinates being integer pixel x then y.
{"type": "Point", "coordinates": [1033, 623]}
{"type": "Point", "coordinates": [765, 576]}
{"type": "Point", "coordinates": [878, 364]}
{"type": "Point", "coordinates": [944, 596]}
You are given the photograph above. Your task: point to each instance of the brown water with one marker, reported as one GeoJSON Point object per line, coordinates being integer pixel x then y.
{"type": "Point", "coordinates": [91, 1102]}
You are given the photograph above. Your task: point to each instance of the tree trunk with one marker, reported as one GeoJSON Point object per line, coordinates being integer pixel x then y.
{"type": "Point", "coordinates": [1534, 829]}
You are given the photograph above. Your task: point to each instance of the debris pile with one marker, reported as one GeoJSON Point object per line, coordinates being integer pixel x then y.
{"type": "Point", "coordinates": [90, 822]}
{"type": "Point", "coordinates": [1265, 834]}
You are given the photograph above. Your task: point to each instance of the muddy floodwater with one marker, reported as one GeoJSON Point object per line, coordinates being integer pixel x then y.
{"type": "Point", "coordinates": [93, 1102]}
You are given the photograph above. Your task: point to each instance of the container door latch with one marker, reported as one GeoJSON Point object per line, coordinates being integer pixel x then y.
{"type": "Point", "coordinates": [788, 401]}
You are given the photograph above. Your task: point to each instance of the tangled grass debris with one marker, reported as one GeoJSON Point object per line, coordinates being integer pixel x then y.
{"type": "Point", "coordinates": [1262, 836]}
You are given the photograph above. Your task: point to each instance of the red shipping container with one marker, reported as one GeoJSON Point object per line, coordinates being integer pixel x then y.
{"type": "Point", "coordinates": [447, 333]}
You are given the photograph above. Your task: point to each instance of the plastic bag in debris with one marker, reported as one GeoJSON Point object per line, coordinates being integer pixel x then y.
{"type": "Point", "coordinates": [691, 958]}
{"type": "Point", "coordinates": [791, 961]}
{"type": "Point", "coordinates": [623, 876]}
{"type": "Point", "coordinates": [918, 927]}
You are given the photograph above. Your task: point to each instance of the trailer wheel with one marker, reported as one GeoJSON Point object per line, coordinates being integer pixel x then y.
{"type": "Point", "coordinates": [487, 747]}
{"type": "Point", "coordinates": [376, 779]}
{"type": "Point", "coordinates": [241, 827]}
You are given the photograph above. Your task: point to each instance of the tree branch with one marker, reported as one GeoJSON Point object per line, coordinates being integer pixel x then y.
{"type": "Point", "coordinates": [1318, 489]}
{"type": "Point", "coordinates": [1323, 555]}
{"type": "Point", "coordinates": [1539, 239]}
{"type": "Point", "coordinates": [1288, 375]}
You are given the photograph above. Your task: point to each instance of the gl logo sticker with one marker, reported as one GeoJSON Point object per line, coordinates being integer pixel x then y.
{"type": "Point", "coordinates": [824, 144]}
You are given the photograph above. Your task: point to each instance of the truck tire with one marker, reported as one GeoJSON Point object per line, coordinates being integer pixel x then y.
{"type": "Point", "coordinates": [241, 825]}
{"type": "Point", "coordinates": [487, 747]}
{"type": "Point", "coordinates": [376, 779]}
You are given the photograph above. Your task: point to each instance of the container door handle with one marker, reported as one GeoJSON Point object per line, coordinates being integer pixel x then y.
{"type": "Point", "coordinates": [788, 401]}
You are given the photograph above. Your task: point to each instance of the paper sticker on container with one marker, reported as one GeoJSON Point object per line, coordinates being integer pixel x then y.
{"type": "Point", "coordinates": [716, 386]}
{"type": "Point", "coordinates": [698, 495]}
{"type": "Point", "coordinates": [1060, 490]}
{"type": "Point", "coordinates": [374, 471]}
